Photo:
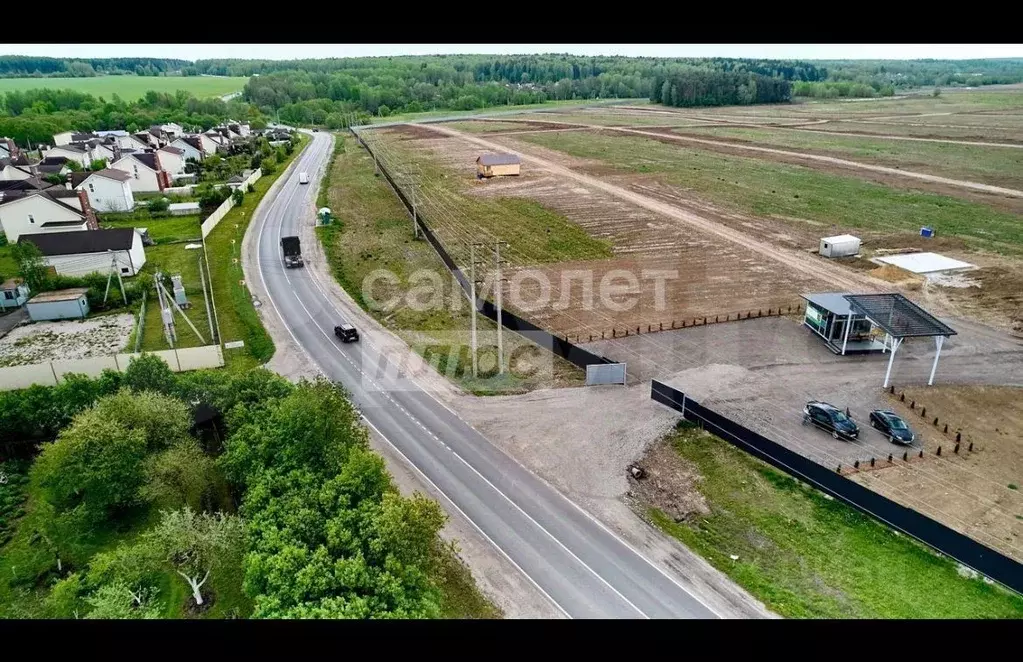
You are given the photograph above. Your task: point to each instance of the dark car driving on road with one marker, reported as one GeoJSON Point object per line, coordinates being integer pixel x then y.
{"type": "Point", "coordinates": [892, 426]}
{"type": "Point", "coordinates": [346, 332]}
{"type": "Point", "coordinates": [830, 419]}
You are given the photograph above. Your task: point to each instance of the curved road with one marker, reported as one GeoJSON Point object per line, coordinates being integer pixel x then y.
{"type": "Point", "coordinates": [583, 568]}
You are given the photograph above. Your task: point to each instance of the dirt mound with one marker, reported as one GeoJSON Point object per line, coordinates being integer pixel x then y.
{"type": "Point", "coordinates": [670, 483]}
{"type": "Point", "coordinates": [898, 276]}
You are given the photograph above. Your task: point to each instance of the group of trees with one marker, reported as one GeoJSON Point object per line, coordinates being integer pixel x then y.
{"type": "Point", "coordinates": [24, 66]}
{"type": "Point", "coordinates": [36, 115]}
{"type": "Point", "coordinates": [320, 531]}
{"type": "Point", "coordinates": [839, 89]}
{"type": "Point", "coordinates": [699, 87]}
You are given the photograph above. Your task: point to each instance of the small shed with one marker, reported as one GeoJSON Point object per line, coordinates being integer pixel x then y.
{"type": "Point", "coordinates": [59, 305]}
{"type": "Point", "coordinates": [183, 208]}
{"type": "Point", "coordinates": [497, 165]}
{"type": "Point", "coordinates": [843, 245]}
{"type": "Point", "coordinates": [13, 293]}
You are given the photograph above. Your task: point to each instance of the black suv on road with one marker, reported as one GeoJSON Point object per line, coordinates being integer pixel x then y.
{"type": "Point", "coordinates": [892, 426]}
{"type": "Point", "coordinates": [830, 419]}
{"type": "Point", "coordinates": [346, 332]}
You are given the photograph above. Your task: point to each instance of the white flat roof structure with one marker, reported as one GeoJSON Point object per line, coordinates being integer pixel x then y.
{"type": "Point", "coordinates": [925, 263]}
{"type": "Point", "coordinates": [183, 207]}
{"type": "Point", "coordinates": [840, 239]}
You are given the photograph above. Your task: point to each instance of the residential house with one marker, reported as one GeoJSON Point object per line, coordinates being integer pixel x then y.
{"type": "Point", "coordinates": [497, 165]}
{"type": "Point", "coordinates": [172, 129]}
{"type": "Point", "coordinates": [13, 293]}
{"type": "Point", "coordinates": [237, 181]}
{"type": "Point", "coordinates": [8, 150]}
{"type": "Point", "coordinates": [17, 187]}
{"type": "Point", "coordinates": [108, 190]}
{"type": "Point", "coordinates": [130, 142]}
{"type": "Point", "coordinates": [172, 159]}
{"type": "Point", "coordinates": [147, 139]}
{"type": "Point", "coordinates": [101, 150]}
{"type": "Point", "coordinates": [75, 153]}
{"type": "Point", "coordinates": [62, 138]}
{"type": "Point", "coordinates": [15, 169]}
{"type": "Point", "coordinates": [53, 165]}
{"type": "Point", "coordinates": [191, 148]}
{"type": "Point", "coordinates": [147, 173]}
{"type": "Point", "coordinates": [81, 253]}
{"type": "Point", "coordinates": [241, 129]}
{"type": "Point", "coordinates": [33, 211]}
{"type": "Point", "coordinates": [210, 141]}
{"type": "Point", "coordinates": [162, 137]}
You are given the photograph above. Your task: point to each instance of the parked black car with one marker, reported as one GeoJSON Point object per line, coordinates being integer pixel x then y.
{"type": "Point", "coordinates": [346, 332]}
{"type": "Point", "coordinates": [891, 425]}
{"type": "Point", "coordinates": [830, 419]}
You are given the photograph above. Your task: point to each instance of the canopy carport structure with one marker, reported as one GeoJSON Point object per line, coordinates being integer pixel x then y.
{"type": "Point", "coordinates": [900, 318]}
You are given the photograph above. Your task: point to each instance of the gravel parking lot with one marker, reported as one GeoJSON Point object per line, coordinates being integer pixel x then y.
{"type": "Point", "coordinates": [761, 372]}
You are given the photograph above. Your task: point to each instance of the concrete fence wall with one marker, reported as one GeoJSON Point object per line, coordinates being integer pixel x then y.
{"type": "Point", "coordinates": [53, 372]}
{"type": "Point", "coordinates": [218, 215]}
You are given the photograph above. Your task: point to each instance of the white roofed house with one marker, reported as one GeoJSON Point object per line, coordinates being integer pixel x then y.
{"type": "Point", "coordinates": [210, 141]}
{"type": "Point", "coordinates": [100, 150]}
{"type": "Point", "coordinates": [162, 137]}
{"type": "Point", "coordinates": [132, 142]}
{"type": "Point", "coordinates": [108, 190]}
{"type": "Point", "coordinates": [17, 168]}
{"type": "Point", "coordinates": [172, 159]}
{"type": "Point", "coordinates": [146, 171]}
{"type": "Point", "coordinates": [82, 253]}
{"type": "Point", "coordinates": [172, 129]}
{"type": "Point", "coordinates": [71, 152]}
{"type": "Point", "coordinates": [52, 210]}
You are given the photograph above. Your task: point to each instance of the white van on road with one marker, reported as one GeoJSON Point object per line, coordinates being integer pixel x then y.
{"type": "Point", "coordinates": [303, 178]}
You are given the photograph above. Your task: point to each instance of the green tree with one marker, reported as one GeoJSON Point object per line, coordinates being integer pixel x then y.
{"type": "Point", "coordinates": [149, 373]}
{"type": "Point", "coordinates": [183, 475]}
{"type": "Point", "coordinates": [120, 601]}
{"type": "Point", "coordinates": [98, 164]}
{"type": "Point", "coordinates": [238, 196]}
{"type": "Point", "coordinates": [268, 166]}
{"type": "Point", "coordinates": [158, 205]}
{"type": "Point", "coordinates": [65, 599]}
{"type": "Point", "coordinates": [195, 545]}
{"type": "Point", "coordinates": [95, 464]}
{"type": "Point", "coordinates": [31, 266]}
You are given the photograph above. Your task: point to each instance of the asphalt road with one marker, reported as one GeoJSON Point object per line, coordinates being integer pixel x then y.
{"type": "Point", "coordinates": [583, 568]}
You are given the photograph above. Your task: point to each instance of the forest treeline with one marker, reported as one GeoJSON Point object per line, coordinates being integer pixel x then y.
{"type": "Point", "coordinates": [330, 92]}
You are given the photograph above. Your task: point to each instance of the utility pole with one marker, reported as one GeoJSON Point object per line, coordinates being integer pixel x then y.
{"type": "Point", "coordinates": [120, 281]}
{"type": "Point", "coordinates": [165, 315]}
{"type": "Point", "coordinates": [472, 303]}
{"type": "Point", "coordinates": [113, 267]}
{"type": "Point", "coordinates": [206, 298]}
{"type": "Point", "coordinates": [499, 286]}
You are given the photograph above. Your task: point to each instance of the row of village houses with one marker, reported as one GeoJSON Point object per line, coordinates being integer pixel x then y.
{"type": "Point", "coordinates": [60, 219]}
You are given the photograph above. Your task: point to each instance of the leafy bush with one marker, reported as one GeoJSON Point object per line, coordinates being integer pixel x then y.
{"type": "Point", "coordinates": [12, 496]}
{"type": "Point", "coordinates": [238, 195]}
{"type": "Point", "coordinates": [159, 204]}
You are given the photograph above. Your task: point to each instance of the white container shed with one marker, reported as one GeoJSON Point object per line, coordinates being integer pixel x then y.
{"type": "Point", "coordinates": [842, 245]}
{"type": "Point", "coordinates": [59, 305]}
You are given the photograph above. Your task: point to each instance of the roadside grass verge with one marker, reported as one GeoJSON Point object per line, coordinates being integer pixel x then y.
{"type": "Point", "coordinates": [161, 230]}
{"type": "Point", "coordinates": [173, 259]}
{"type": "Point", "coordinates": [373, 231]}
{"type": "Point", "coordinates": [807, 556]}
{"type": "Point", "coordinates": [460, 598]}
{"type": "Point", "coordinates": [999, 166]}
{"type": "Point", "coordinates": [768, 189]}
{"type": "Point", "coordinates": [237, 315]}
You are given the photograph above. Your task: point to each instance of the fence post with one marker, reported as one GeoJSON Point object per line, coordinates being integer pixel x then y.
{"type": "Point", "coordinates": [55, 380]}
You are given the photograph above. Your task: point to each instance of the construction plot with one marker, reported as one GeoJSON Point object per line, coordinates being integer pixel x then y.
{"type": "Point", "coordinates": [702, 275]}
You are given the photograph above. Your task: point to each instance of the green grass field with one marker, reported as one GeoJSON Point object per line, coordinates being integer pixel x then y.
{"type": "Point", "coordinates": [807, 556]}
{"type": "Point", "coordinates": [765, 188]}
{"type": "Point", "coordinates": [500, 110]}
{"type": "Point", "coordinates": [161, 230]}
{"type": "Point", "coordinates": [373, 232]}
{"type": "Point", "coordinates": [1000, 166]}
{"type": "Point", "coordinates": [130, 88]}
{"type": "Point", "coordinates": [173, 259]}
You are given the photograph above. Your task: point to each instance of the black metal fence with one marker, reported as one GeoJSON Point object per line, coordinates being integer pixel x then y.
{"type": "Point", "coordinates": [967, 551]}
{"type": "Point", "coordinates": [559, 346]}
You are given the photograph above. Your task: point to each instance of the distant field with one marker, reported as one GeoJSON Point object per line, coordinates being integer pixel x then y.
{"type": "Point", "coordinates": [130, 88]}
{"type": "Point", "coordinates": [1001, 166]}
{"type": "Point", "coordinates": [779, 190]}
